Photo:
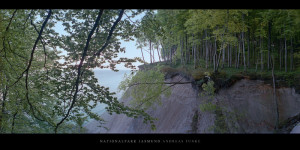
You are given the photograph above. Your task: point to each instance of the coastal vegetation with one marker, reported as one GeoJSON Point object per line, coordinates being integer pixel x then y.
{"type": "Point", "coordinates": [43, 90]}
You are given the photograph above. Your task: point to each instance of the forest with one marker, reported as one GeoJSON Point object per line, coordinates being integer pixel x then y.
{"type": "Point", "coordinates": [224, 38]}
{"type": "Point", "coordinates": [41, 94]}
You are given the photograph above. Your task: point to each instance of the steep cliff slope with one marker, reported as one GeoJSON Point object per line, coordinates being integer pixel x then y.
{"type": "Point", "coordinates": [245, 107]}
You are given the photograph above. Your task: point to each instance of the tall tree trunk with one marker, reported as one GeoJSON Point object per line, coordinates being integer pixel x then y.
{"type": "Point", "coordinates": [194, 52]}
{"type": "Point", "coordinates": [150, 52]}
{"type": "Point", "coordinates": [223, 58]}
{"type": "Point", "coordinates": [215, 55]}
{"type": "Point", "coordinates": [171, 55]}
{"type": "Point", "coordinates": [253, 50]}
{"type": "Point", "coordinates": [244, 55]}
{"type": "Point", "coordinates": [158, 53]}
{"type": "Point", "coordinates": [243, 44]}
{"type": "Point", "coordinates": [206, 52]}
{"type": "Point", "coordinates": [181, 51]}
{"type": "Point", "coordinates": [239, 51]}
{"type": "Point", "coordinates": [218, 60]}
{"type": "Point", "coordinates": [261, 55]}
{"type": "Point", "coordinates": [280, 53]}
{"type": "Point", "coordinates": [269, 43]}
{"type": "Point", "coordinates": [274, 95]}
{"type": "Point", "coordinates": [236, 55]}
{"type": "Point", "coordinates": [203, 47]}
{"type": "Point", "coordinates": [229, 56]}
{"type": "Point", "coordinates": [285, 54]}
{"type": "Point", "coordinates": [153, 55]}
{"type": "Point", "coordinates": [142, 55]}
{"type": "Point", "coordinates": [163, 52]}
{"type": "Point", "coordinates": [292, 55]}
{"type": "Point", "coordinates": [249, 51]}
{"type": "Point", "coordinates": [186, 49]}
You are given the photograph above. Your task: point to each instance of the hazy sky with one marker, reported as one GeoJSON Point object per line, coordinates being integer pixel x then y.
{"type": "Point", "coordinates": [131, 50]}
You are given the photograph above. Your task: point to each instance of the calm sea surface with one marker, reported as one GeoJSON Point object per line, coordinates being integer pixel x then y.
{"type": "Point", "coordinates": [110, 79]}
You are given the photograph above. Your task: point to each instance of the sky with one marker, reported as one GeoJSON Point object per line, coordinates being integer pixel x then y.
{"type": "Point", "coordinates": [131, 50]}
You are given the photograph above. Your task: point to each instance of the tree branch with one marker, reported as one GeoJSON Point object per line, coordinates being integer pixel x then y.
{"type": "Point", "coordinates": [110, 33]}
{"type": "Point", "coordinates": [29, 64]}
{"type": "Point", "coordinates": [159, 83]}
{"type": "Point", "coordinates": [160, 92]}
{"type": "Point", "coordinates": [7, 28]}
{"type": "Point", "coordinates": [33, 49]}
{"type": "Point", "coordinates": [10, 20]}
{"type": "Point", "coordinates": [43, 43]}
{"type": "Point", "coordinates": [79, 69]}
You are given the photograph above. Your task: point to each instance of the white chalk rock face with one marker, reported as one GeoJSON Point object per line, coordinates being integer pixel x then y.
{"type": "Point", "coordinates": [175, 115]}
{"type": "Point", "coordinates": [247, 107]}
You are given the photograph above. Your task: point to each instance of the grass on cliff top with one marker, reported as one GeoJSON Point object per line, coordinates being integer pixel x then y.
{"type": "Point", "coordinates": [287, 79]}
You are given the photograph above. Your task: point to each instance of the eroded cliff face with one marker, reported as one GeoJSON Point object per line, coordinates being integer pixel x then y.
{"type": "Point", "coordinates": [250, 106]}
{"type": "Point", "coordinates": [174, 115]}
{"type": "Point", "coordinates": [246, 107]}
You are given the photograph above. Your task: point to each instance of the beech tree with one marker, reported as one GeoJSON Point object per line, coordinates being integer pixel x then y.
{"type": "Point", "coordinates": [39, 91]}
{"type": "Point", "coordinates": [247, 38]}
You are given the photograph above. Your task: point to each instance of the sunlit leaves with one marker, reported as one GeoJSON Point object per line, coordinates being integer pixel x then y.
{"type": "Point", "coordinates": [145, 88]}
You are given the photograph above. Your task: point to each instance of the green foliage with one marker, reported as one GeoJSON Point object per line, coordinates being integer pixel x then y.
{"type": "Point", "coordinates": [208, 89]}
{"type": "Point", "coordinates": [198, 75]}
{"type": "Point", "coordinates": [145, 88]}
{"type": "Point", "coordinates": [207, 95]}
{"type": "Point", "coordinates": [208, 107]}
{"type": "Point", "coordinates": [37, 103]}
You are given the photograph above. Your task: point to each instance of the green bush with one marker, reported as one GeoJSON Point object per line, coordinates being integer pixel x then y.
{"type": "Point", "coordinates": [198, 75]}
{"type": "Point", "coordinates": [168, 70]}
{"type": "Point", "coordinates": [208, 107]}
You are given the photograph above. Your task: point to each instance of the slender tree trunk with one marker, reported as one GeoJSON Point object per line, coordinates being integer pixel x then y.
{"type": "Point", "coordinates": [223, 58]}
{"type": "Point", "coordinates": [239, 50]}
{"type": "Point", "coordinates": [269, 43]}
{"type": "Point", "coordinates": [171, 55]}
{"type": "Point", "coordinates": [236, 55]}
{"type": "Point", "coordinates": [158, 54]}
{"type": "Point", "coordinates": [186, 49]}
{"type": "Point", "coordinates": [181, 51]}
{"type": "Point", "coordinates": [249, 51]}
{"type": "Point", "coordinates": [292, 55]}
{"type": "Point", "coordinates": [215, 55]}
{"type": "Point", "coordinates": [206, 52]}
{"type": "Point", "coordinates": [261, 55]}
{"type": "Point", "coordinates": [194, 52]}
{"type": "Point", "coordinates": [163, 52]}
{"type": "Point", "coordinates": [153, 50]}
{"type": "Point", "coordinates": [231, 50]}
{"type": "Point", "coordinates": [244, 54]}
{"type": "Point", "coordinates": [218, 60]}
{"type": "Point", "coordinates": [274, 95]}
{"type": "Point", "coordinates": [253, 50]}
{"type": "Point", "coordinates": [150, 52]}
{"type": "Point", "coordinates": [243, 45]}
{"type": "Point", "coordinates": [280, 53]}
{"type": "Point", "coordinates": [285, 54]}
{"type": "Point", "coordinates": [142, 55]}
{"type": "Point", "coordinates": [203, 48]}
{"type": "Point", "coordinates": [228, 57]}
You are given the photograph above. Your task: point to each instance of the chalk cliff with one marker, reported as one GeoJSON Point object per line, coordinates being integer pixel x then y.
{"type": "Point", "coordinates": [245, 107]}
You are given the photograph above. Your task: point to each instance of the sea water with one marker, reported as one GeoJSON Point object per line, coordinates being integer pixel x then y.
{"type": "Point", "coordinates": [110, 79]}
